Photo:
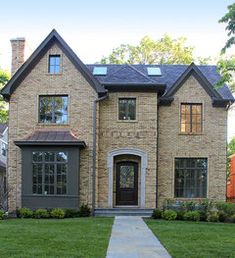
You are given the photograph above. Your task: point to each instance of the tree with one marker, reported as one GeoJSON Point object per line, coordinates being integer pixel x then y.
{"type": "Point", "coordinates": [226, 66]}
{"type": "Point", "coordinates": [231, 147]}
{"type": "Point", "coordinates": [4, 77]}
{"type": "Point", "coordinates": [149, 51]}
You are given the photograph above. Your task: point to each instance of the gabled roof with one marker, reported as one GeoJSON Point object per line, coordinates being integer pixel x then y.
{"type": "Point", "coordinates": [62, 137]}
{"type": "Point", "coordinates": [24, 70]}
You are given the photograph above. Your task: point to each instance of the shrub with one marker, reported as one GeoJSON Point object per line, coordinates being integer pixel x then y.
{"type": "Point", "coordinates": [41, 214]}
{"type": "Point", "coordinates": [71, 213]}
{"type": "Point", "coordinates": [157, 214]}
{"type": "Point", "coordinates": [169, 215]}
{"type": "Point", "coordinates": [84, 210]}
{"type": "Point", "coordinates": [2, 214]}
{"type": "Point", "coordinates": [189, 205]}
{"type": "Point", "coordinates": [57, 213]}
{"type": "Point", "coordinates": [232, 218]}
{"type": "Point", "coordinates": [226, 207]}
{"type": "Point", "coordinates": [222, 216]}
{"type": "Point", "coordinates": [192, 216]}
{"type": "Point", "coordinates": [25, 213]}
{"type": "Point", "coordinates": [212, 216]}
{"type": "Point", "coordinates": [180, 215]}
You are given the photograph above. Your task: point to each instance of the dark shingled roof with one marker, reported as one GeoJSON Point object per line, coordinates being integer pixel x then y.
{"type": "Point", "coordinates": [51, 138]}
{"type": "Point", "coordinates": [2, 128]}
{"type": "Point", "coordinates": [121, 74]}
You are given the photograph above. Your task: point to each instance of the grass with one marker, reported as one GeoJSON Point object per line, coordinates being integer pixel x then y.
{"type": "Point", "coordinates": [82, 237]}
{"type": "Point", "coordinates": [195, 239]}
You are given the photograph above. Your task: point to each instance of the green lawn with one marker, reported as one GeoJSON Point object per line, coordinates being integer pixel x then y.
{"type": "Point", "coordinates": [195, 239]}
{"type": "Point", "coordinates": [82, 237]}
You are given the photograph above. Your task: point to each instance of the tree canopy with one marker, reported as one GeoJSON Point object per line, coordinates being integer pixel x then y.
{"type": "Point", "coordinates": [231, 147]}
{"type": "Point", "coordinates": [149, 51]}
{"type": "Point", "coordinates": [4, 77]}
{"type": "Point", "coordinates": [226, 66]}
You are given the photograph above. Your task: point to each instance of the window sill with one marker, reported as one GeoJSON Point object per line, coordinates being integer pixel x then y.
{"type": "Point", "coordinates": [189, 198]}
{"type": "Point", "coordinates": [52, 124]}
{"type": "Point", "coordinates": [127, 121]}
{"type": "Point", "coordinates": [190, 134]}
{"type": "Point", "coordinates": [54, 74]}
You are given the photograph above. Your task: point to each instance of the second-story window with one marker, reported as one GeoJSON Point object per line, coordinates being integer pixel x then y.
{"type": "Point", "coordinates": [127, 109]}
{"type": "Point", "coordinates": [4, 149]}
{"type": "Point", "coordinates": [54, 64]}
{"type": "Point", "coordinates": [53, 109]}
{"type": "Point", "coordinates": [191, 118]}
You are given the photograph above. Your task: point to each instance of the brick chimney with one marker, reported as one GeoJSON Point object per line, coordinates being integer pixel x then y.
{"type": "Point", "coordinates": [17, 45]}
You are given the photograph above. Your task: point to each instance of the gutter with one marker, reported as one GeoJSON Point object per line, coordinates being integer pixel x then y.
{"type": "Point", "coordinates": [94, 152]}
{"type": "Point", "coordinates": [157, 155]}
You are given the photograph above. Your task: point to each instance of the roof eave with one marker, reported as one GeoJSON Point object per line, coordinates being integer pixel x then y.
{"type": "Point", "coordinates": [222, 102]}
{"type": "Point", "coordinates": [80, 144]}
{"type": "Point", "coordinates": [160, 88]}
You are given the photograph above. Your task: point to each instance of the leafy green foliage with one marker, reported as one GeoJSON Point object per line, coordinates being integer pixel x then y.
{"type": "Point", "coordinates": [4, 77]}
{"type": "Point", "coordinates": [2, 214]}
{"type": "Point", "coordinates": [192, 216]}
{"type": "Point", "coordinates": [41, 214]}
{"type": "Point", "coordinates": [212, 216]}
{"type": "Point", "coordinates": [169, 215]}
{"type": "Point", "coordinates": [57, 213]}
{"type": "Point", "coordinates": [84, 210]}
{"type": "Point", "coordinates": [71, 213]}
{"type": "Point", "coordinates": [149, 51]}
{"type": "Point", "coordinates": [24, 213]}
{"type": "Point", "coordinates": [157, 214]}
{"type": "Point", "coordinates": [229, 19]}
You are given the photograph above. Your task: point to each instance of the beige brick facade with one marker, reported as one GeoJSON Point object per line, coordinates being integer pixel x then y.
{"type": "Point", "coordinates": [211, 144]}
{"type": "Point", "coordinates": [113, 134]}
{"type": "Point", "coordinates": [23, 118]}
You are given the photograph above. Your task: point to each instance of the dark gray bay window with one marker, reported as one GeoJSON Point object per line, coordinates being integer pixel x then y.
{"type": "Point", "coordinates": [49, 172]}
{"type": "Point", "coordinates": [53, 109]}
{"type": "Point", "coordinates": [127, 109]}
{"type": "Point", "coordinates": [191, 177]}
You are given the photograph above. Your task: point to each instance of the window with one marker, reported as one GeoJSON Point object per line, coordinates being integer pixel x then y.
{"type": "Point", "coordinates": [154, 71]}
{"type": "Point", "coordinates": [50, 172]}
{"type": "Point", "coordinates": [100, 70]}
{"type": "Point", "coordinates": [190, 177]}
{"type": "Point", "coordinates": [4, 149]}
{"type": "Point", "coordinates": [53, 109]}
{"type": "Point", "coordinates": [191, 118]}
{"type": "Point", "coordinates": [54, 64]}
{"type": "Point", "coordinates": [127, 109]}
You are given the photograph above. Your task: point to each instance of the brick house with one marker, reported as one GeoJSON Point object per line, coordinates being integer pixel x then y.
{"type": "Point", "coordinates": [127, 136]}
{"type": "Point", "coordinates": [231, 181]}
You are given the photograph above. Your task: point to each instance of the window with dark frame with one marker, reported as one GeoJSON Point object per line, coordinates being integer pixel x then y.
{"type": "Point", "coordinates": [127, 109]}
{"type": "Point", "coordinates": [190, 118]}
{"type": "Point", "coordinates": [53, 109]}
{"type": "Point", "coordinates": [49, 172]}
{"type": "Point", "coordinates": [191, 177]}
{"type": "Point", "coordinates": [54, 64]}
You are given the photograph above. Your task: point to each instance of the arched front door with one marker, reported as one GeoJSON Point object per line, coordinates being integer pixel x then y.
{"type": "Point", "coordinates": [127, 183]}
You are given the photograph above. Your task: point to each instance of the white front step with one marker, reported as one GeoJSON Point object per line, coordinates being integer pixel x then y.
{"type": "Point", "coordinates": [123, 212]}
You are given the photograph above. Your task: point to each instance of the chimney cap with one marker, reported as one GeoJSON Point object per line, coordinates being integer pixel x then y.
{"type": "Point", "coordinates": [18, 39]}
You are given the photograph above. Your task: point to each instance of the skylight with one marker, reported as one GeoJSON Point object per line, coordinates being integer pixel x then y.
{"type": "Point", "coordinates": [100, 70]}
{"type": "Point", "coordinates": [154, 71]}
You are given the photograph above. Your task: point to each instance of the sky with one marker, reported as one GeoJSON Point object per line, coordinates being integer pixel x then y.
{"type": "Point", "coordinates": [92, 28]}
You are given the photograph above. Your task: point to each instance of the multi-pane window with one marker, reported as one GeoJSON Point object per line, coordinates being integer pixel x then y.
{"type": "Point", "coordinates": [53, 109]}
{"type": "Point", "coordinates": [54, 64]}
{"type": "Point", "coordinates": [127, 109]}
{"type": "Point", "coordinates": [190, 177]}
{"type": "Point", "coordinates": [4, 149]}
{"type": "Point", "coordinates": [191, 118]}
{"type": "Point", "coordinates": [50, 172]}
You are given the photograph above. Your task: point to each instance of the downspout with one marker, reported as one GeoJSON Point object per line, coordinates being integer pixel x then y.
{"type": "Point", "coordinates": [157, 154]}
{"type": "Point", "coordinates": [94, 152]}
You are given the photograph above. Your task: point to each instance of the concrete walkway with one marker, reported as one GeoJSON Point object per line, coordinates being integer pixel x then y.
{"type": "Point", "coordinates": [131, 238]}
